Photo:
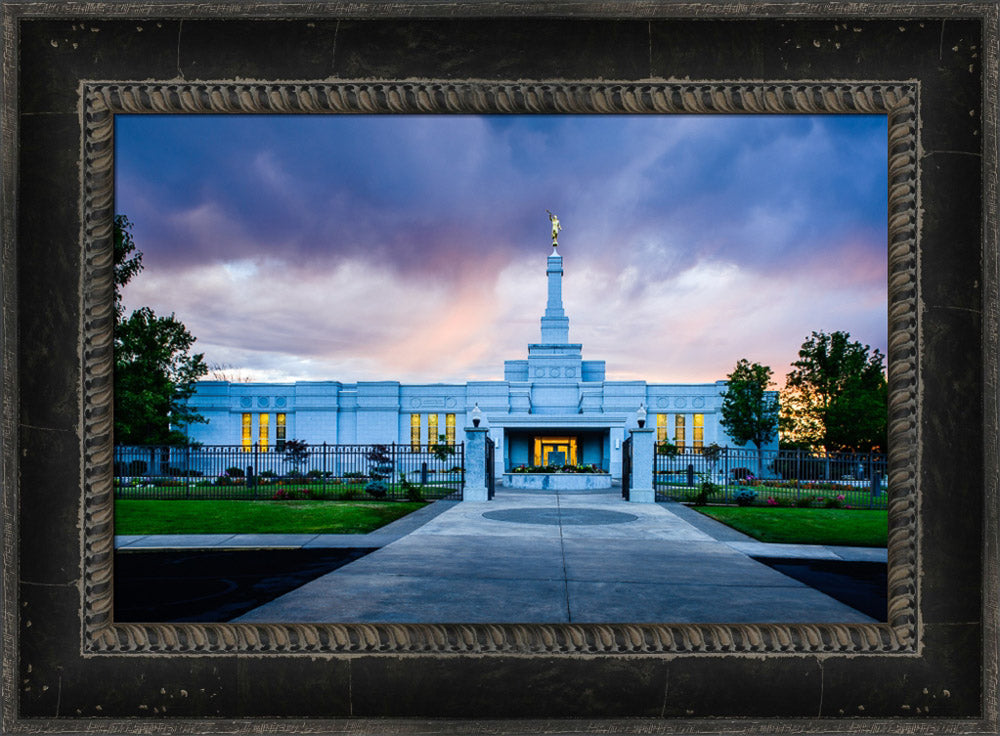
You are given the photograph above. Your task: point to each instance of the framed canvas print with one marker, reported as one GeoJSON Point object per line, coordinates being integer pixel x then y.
{"type": "Point", "coordinates": [376, 164]}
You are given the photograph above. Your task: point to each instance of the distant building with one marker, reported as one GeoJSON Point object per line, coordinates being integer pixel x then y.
{"type": "Point", "coordinates": [554, 406]}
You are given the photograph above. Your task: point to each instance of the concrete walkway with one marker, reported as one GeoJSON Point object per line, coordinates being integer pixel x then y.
{"type": "Point", "coordinates": [544, 557]}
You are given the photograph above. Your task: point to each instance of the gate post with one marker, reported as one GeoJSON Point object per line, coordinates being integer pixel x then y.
{"type": "Point", "coordinates": [475, 465]}
{"type": "Point", "coordinates": [641, 487]}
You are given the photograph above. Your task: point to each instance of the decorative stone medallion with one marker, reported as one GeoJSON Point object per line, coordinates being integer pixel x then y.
{"type": "Point", "coordinates": [263, 401]}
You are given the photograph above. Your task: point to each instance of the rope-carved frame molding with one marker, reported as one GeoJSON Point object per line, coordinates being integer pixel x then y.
{"type": "Point", "coordinates": [101, 101]}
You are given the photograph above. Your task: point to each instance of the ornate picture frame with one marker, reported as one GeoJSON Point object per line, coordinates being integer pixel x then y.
{"type": "Point", "coordinates": [74, 667]}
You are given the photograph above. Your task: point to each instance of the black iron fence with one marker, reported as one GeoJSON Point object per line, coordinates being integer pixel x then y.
{"type": "Point", "coordinates": [320, 471]}
{"type": "Point", "coordinates": [626, 468]}
{"type": "Point", "coordinates": [776, 478]}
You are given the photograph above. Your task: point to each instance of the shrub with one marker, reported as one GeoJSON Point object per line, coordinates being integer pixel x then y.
{"type": "Point", "coordinates": [803, 502]}
{"type": "Point", "coordinates": [413, 492]}
{"type": "Point", "coordinates": [667, 449]}
{"type": "Point", "coordinates": [349, 494]}
{"type": "Point", "coordinates": [234, 472]}
{"type": "Point", "coordinates": [355, 475]}
{"type": "Point", "coordinates": [314, 474]}
{"type": "Point", "coordinates": [267, 474]}
{"type": "Point", "coordinates": [834, 503]}
{"type": "Point", "coordinates": [706, 489]}
{"type": "Point", "coordinates": [377, 489]}
{"type": "Point", "coordinates": [745, 497]}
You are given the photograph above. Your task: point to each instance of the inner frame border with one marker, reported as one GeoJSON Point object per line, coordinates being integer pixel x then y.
{"type": "Point", "coordinates": [100, 101]}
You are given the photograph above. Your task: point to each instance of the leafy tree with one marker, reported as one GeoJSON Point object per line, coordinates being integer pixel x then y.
{"type": "Point", "coordinates": [441, 449]}
{"type": "Point", "coordinates": [296, 453]}
{"type": "Point", "coordinates": [155, 375]}
{"type": "Point", "coordinates": [837, 395]}
{"type": "Point", "coordinates": [155, 372]}
{"type": "Point", "coordinates": [749, 410]}
{"type": "Point", "coordinates": [128, 261]}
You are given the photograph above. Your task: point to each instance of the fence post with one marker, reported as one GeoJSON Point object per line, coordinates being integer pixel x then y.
{"type": "Point", "coordinates": [725, 467]}
{"type": "Point", "coordinates": [641, 488]}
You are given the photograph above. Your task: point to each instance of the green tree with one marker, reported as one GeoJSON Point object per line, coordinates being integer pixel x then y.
{"type": "Point", "coordinates": [840, 395]}
{"type": "Point", "coordinates": [155, 372]}
{"type": "Point", "coordinates": [128, 261]}
{"type": "Point", "coordinates": [749, 409]}
{"type": "Point", "coordinates": [155, 375]}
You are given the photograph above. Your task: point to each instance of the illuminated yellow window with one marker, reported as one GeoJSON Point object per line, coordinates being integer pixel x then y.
{"type": "Point", "coordinates": [679, 431]}
{"type": "Point", "coordinates": [662, 430]}
{"type": "Point", "coordinates": [247, 431]}
{"type": "Point", "coordinates": [265, 420]}
{"type": "Point", "coordinates": [432, 429]}
{"type": "Point", "coordinates": [414, 433]}
{"type": "Point", "coordinates": [279, 432]}
{"type": "Point", "coordinates": [698, 432]}
{"type": "Point", "coordinates": [449, 428]}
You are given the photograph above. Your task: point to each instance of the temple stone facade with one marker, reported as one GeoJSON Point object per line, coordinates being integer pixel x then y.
{"type": "Point", "coordinates": [553, 407]}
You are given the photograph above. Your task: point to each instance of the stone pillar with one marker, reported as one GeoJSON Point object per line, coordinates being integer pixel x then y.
{"type": "Point", "coordinates": [642, 466]}
{"type": "Point", "coordinates": [475, 464]}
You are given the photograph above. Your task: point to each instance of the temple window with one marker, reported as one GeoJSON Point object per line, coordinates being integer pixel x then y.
{"type": "Point", "coordinates": [698, 432]}
{"type": "Point", "coordinates": [279, 432]}
{"type": "Point", "coordinates": [414, 433]}
{"type": "Point", "coordinates": [432, 429]}
{"type": "Point", "coordinates": [262, 433]}
{"type": "Point", "coordinates": [247, 432]}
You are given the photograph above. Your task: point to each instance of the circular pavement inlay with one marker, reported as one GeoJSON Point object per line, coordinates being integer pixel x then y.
{"type": "Point", "coordinates": [554, 516]}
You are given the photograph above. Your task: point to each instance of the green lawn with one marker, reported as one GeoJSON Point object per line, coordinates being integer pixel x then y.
{"type": "Point", "coordinates": [256, 517]}
{"type": "Point", "coordinates": [850, 527]}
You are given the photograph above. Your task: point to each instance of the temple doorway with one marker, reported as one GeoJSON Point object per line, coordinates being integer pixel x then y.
{"type": "Point", "coordinates": [555, 451]}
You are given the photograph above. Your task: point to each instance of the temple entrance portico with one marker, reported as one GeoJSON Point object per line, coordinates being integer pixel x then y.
{"type": "Point", "coordinates": [544, 440]}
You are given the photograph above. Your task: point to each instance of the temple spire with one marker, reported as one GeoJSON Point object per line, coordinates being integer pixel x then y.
{"type": "Point", "coordinates": [555, 323]}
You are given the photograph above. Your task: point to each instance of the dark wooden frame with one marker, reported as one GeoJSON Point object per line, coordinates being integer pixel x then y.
{"type": "Point", "coordinates": [69, 668]}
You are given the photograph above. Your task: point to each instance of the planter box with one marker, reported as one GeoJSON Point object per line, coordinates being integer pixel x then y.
{"type": "Point", "coordinates": [557, 481]}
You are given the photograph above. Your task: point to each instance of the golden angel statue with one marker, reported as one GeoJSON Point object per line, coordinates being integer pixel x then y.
{"type": "Point", "coordinates": [556, 227]}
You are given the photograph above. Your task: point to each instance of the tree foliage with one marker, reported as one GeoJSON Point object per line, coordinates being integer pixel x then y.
{"type": "Point", "coordinates": [749, 409]}
{"type": "Point", "coordinates": [155, 371]}
{"type": "Point", "coordinates": [155, 375]}
{"type": "Point", "coordinates": [128, 261]}
{"type": "Point", "coordinates": [836, 398]}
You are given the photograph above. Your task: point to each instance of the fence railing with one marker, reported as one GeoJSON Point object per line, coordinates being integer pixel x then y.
{"type": "Point", "coordinates": [320, 471]}
{"type": "Point", "coordinates": [782, 477]}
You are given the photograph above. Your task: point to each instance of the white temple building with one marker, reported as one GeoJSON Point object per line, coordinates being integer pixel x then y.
{"type": "Point", "coordinates": [551, 406]}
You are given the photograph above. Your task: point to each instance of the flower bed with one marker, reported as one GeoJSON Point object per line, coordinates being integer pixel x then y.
{"type": "Point", "coordinates": [557, 469]}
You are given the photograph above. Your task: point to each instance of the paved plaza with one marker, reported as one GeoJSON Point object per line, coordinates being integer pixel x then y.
{"type": "Point", "coordinates": [556, 557]}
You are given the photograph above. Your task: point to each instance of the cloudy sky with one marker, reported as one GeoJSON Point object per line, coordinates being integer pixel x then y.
{"type": "Point", "coordinates": [413, 248]}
